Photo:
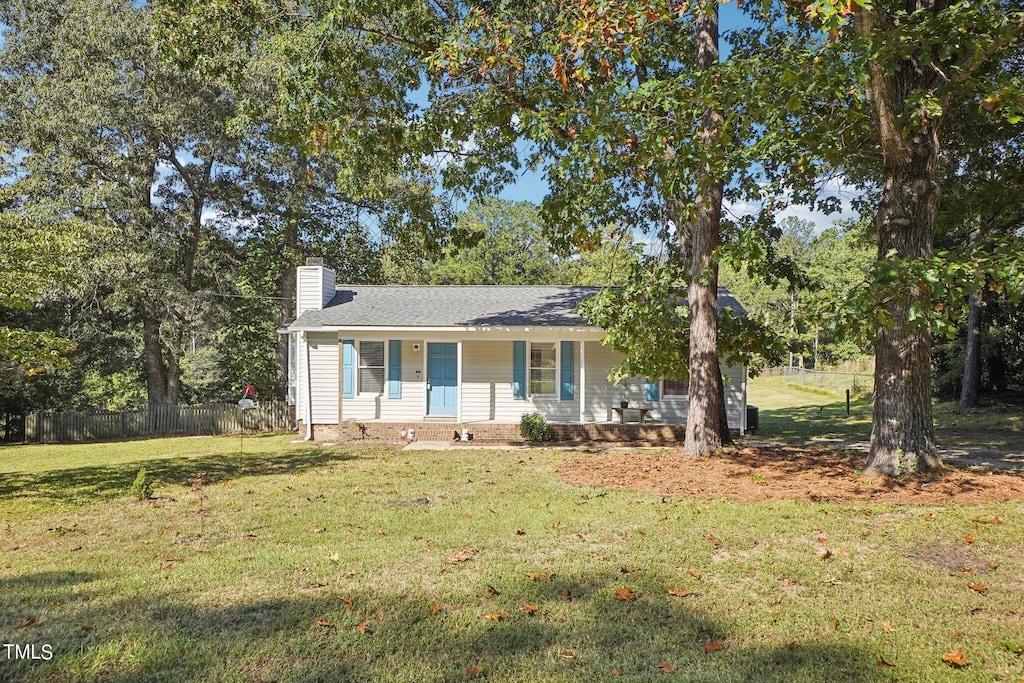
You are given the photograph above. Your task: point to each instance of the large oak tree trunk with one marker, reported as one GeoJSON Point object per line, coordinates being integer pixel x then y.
{"type": "Point", "coordinates": [153, 359]}
{"type": "Point", "coordinates": [703, 426]}
{"type": "Point", "coordinates": [902, 436]}
{"type": "Point", "coordinates": [971, 387]}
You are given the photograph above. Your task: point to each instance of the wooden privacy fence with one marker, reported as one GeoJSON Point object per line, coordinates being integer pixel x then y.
{"type": "Point", "coordinates": [212, 418]}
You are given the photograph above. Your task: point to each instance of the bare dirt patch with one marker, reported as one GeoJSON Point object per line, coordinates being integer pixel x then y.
{"type": "Point", "coordinates": [753, 474]}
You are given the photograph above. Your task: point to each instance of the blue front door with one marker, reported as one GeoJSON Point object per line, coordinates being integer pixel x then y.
{"type": "Point", "coordinates": [442, 382]}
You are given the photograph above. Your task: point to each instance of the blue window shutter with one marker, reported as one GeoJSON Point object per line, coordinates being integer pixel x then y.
{"type": "Point", "coordinates": [348, 368]}
{"type": "Point", "coordinates": [518, 369]}
{"type": "Point", "coordinates": [394, 368]}
{"type": "Point", "coordinates": [567, 370]}
{"type": "Point", "coordinates": [651, 391]}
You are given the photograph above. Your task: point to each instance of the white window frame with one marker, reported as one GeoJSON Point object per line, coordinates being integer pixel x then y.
{"type": "Point", "coordinates": [529, 370]}
{"type": "Point", "coordinates": [359, 376]}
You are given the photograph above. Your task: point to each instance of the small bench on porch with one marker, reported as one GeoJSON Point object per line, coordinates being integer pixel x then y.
{"type": "Point", "coordinates": [621, 412]}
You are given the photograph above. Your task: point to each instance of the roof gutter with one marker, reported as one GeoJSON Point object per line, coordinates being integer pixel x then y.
{"type": "Point", "coordinates": [451, 328]}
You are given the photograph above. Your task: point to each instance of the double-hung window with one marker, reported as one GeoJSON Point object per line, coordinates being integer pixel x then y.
{"type": "Point", "coordinates": [371, 367]}
{"type": "Point", "coordinates": [674, 387]}
{"type": "Point", "coordinates": [543, 369]}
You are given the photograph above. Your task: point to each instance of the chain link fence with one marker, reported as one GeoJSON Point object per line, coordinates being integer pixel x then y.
{"type": "Point", "coordinates": [839, 382]}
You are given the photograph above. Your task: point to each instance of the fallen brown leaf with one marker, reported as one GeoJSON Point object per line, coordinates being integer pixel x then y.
{"type": "Point", "coordinates": [967, 571]}
{"type": "Point", "coordinates": [693, 572]}
{"type": "Point", "coordinates": [825, 554]}
{"type": "Point", "coordinates": [881, 662]}
{"type": "Point", "coordinates": [520, 532]}
{"type": "Point", "coordinates": [969, 538]}
{"type": "Point", "coordinates": [713, 645]}
{"type": "Point", "coordinates": [28, 624]}
{"type": "Point", "coordinates": [955, 634]}
{"type": "Point", "coordinates": [625, 593]}
{"type": "Point", "coordinates": [667, 667]}
{"type": "Point", "coordinates": [979, 587]}
{"type": "Point", "coordinates": [435, 608]}
{"type": "Point", "coordinates": [995, 519]}
{"type": "Point", "coordinates": [319, 530]}
{"type": "Point", "coordinates": [462, 555]}
{"type": "Point", "coordinates": [955, 659]}
{"type": "Point", "coordinates": [364, 627]}
{"type": "Point", "coordinates": [323, 622]}
{"type": "Point", "coordinates": [472, 672]}
{"type": "Point", "coordinates": [680, 592]}
{"type": "Point", "coordinates": [833, 623]}
{"type": "Point", "coordinates": [496, 616]}
{"type": "Point", "coordinates": [539, 577]}
{"type": "Point", "coordinates": [348, 603]}
{"type": "Point", "coordinates": [491, 590]}
{"type": "Point", "coordinates": [530, 609]}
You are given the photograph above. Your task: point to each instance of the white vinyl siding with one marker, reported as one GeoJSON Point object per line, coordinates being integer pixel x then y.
{"type": "Point", "coordinates": [309, 290]}
{"type": "Point", "coordinates": [411, 406]}
{"type": "Point", "coordinates": [486, 387]}
{"type": "Point", "coordinates": [328, 288]}
{"type": "Point", "coordinates": [601, 395]}
{"type": "Point", "coordinates": [301, 376]}
{"type": "Point", "coordinates": [323, 374]}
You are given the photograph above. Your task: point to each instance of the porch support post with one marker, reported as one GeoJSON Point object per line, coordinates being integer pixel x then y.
{"type": "Point", "coordinates": [583, 381]}
{"type": "Point", "coordinates": [458, 374]}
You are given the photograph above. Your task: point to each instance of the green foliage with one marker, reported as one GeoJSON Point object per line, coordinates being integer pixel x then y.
{"type": "Point", "coordinates": [647, 319]}
{"type": "Point", "coordinates": [142, 487]}
{"type": "Point", "coordinates": [504, 243]}
{"type": "Point", "coordinates": [533, 427]}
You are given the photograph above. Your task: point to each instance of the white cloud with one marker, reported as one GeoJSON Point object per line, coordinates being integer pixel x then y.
{"type": "Point", "coordinates": [833, 187]}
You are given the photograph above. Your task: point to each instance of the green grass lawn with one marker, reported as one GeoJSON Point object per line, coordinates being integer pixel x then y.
{"type": "Point", "coordinates": [268, 571]}
{"type": "Point", "coordinates": [789, 411]}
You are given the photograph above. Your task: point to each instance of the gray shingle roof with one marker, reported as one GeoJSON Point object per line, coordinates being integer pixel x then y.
{"type": "Point", "coordinates": [458, 306]}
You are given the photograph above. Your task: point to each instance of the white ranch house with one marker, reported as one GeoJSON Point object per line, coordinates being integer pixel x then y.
{"type": "Point", "coordinates": [443, 358]}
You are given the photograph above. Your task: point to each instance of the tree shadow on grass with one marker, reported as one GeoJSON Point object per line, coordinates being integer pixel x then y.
{"type": "Point", "coordinates": [803, 422]}
{"type": "Point", "coordinates": [106, 482]}
{"type": "Point", "coordinates": [167, 636]}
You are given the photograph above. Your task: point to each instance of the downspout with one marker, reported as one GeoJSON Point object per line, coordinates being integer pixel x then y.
{"type": "Point", "coordinates": [309, 392]}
